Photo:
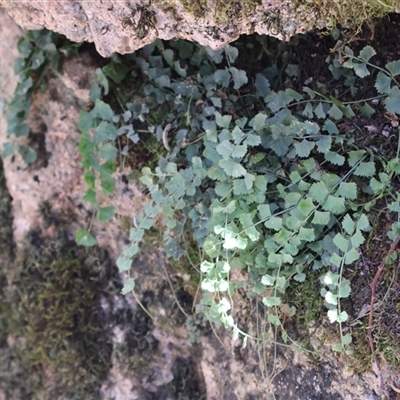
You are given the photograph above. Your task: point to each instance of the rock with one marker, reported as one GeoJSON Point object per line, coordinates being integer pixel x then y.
{"type": "Point", "coordinates": [162, 356]}
{"type": "Point", "coordinates": [56, 178]}
{"type": "Point", "coordinates": [124, 27]}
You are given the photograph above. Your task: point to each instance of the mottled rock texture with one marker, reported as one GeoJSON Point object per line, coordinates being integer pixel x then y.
{"type": "Point", "coordinates": [125, 26]}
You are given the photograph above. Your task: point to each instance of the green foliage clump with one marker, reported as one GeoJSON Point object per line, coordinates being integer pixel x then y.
{"type": "Point", "coordinates": [255, 179]}
{"type": "Point", "coordinates": [57, 330]}
{"type": "Point", "coordinates": [41, 54]}
{"type": "Point", "coordinates": [101, 128]}
{"type": "Point", "coordinates": [262, 177]}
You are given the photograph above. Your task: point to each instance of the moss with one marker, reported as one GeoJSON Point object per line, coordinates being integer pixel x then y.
{"type": "Point", "coordinates": [138, 348]}
{"type": "Point", "coordinates": [7, 253]}
{"type": "Point", "coordinates": [225, 10]}
{"type": "Point", "coordinates": [386, 318]}
{"type": "Point", "coordinates": [306, 297]}
{"type": "Point", "coordinates": [197, 8]}
{"type": "Point", "coordinates": [6, 219]}
{"type": "Point", "coordinates": [187, 265]}
{"type": "Point", "coordinates": [59, 340]}
{"type": "Point", "coordinates": [229, 10]}
{"type": "Point", "coordinates": [350, 13]}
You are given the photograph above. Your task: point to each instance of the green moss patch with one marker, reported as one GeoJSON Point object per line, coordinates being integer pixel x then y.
{"type": "Point", "coordinates": [58, 337]}
{"type": "Point", "coordinates": [229, 10]}
{"type": "Point", "coordinates": [351, 13]}
{"type": "Point", "coordinates": [225, 10]}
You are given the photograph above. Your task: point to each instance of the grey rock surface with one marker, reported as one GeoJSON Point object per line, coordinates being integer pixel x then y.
{"type": "Point", "coordinates": [125, 26]}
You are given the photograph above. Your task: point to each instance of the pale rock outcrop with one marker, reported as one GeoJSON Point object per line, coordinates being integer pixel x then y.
{"type": "Point", "coordinates": [125, 26]}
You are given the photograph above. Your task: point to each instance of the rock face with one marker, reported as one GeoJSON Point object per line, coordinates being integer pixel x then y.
{"type": "Point", "coordinates": [159, 360]}
{"type": "Point", "coordinates": [124, 27]}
